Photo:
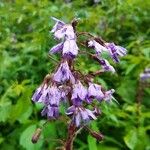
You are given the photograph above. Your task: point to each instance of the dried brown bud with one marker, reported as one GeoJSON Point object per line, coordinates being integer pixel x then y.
{"type": "Point", "coordinates": [36, 135]}
{"type": "Point", "coordinates": [97, 135]}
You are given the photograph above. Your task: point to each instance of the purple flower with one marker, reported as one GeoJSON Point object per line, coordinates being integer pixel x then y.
{"type": "Point", "coordinates": [59, 34]}
{"type": "Point", "coordinates": [80, 115]}
{"type": "Point", "coordinates": [98, 47]}
{"type": "Point", "coordinates": [70, 34]}
{"type": "Point", "coordinates": [56, 48]}
{"type": "Point", "coordinates": [64, 90]}
{"type": "Point", "coordinates": [52, 112]}
{"type": "Point", "coordinates": [70, 48]}
{"type": "Point", "coordinates": [40, 94]}
{"type": "Point", "coordinates": [116, 51]}
{"type": "Point", "coordinates": [79, 93]}
{"type": "Point", "coordinates": [66, 32]}
{"type": "Point", "coordinates": [108, 95]}
{"type": "Point", "coordinates": [106, 66]}
{"type": "Point", "coordinates": [144, 76]}
{"type": "Point", "coordinates": [54, 95]}
{"type": "Point", "coordinates": [94, 91]}
{"type": "Point", "coordinates": [59, 24]}
{"type": "Point", "coordinates": [63, 74]}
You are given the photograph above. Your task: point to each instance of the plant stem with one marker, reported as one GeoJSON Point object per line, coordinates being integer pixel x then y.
{"type": "Point", "coordinates": [70, 137]}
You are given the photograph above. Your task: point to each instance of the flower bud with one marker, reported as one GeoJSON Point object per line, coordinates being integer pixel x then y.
{"type": "Point", "coordinates": [36, 135]}
{"type": "Point", "coordinates": [97, 135]}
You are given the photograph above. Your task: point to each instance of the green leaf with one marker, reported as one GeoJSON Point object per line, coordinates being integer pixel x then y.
{"type": "Point", "coordinates": [5, 108]}
{"type": "Point", "coordinates": [131, 138]}
{"type": "Point", "coordinates": [92, 143]}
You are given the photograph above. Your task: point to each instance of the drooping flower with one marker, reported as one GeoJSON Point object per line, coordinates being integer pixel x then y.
{"type": "Point", "coordinates": [40, 94]}
{"type": "Point", "coordinates": [106, 66]}
{"type": "Point", "coordinates": [66, 31]}
{"type": "Point", "coordinates": [52, 112]}
{"type": "Point", "coordinates": [63, 74]}
{"type": "Point", "coordinates": [54, 96]}
{"type": "Point", "coordinates": [95, 91]}
{"type": "Point", "coordinates": [98, 47]}
{"type": "Point", "coordinates": [56, 48]}
{"type": "Point", "coordinates": [70, 48]}
{"type": "Point", "coordinates": [80, 115]}
{"type": "Point", "coordinates": [116, 51]}
{"type": "Point", "coordinates": [64, 90]}
{"type": "Point", "coordinates": [79, 93]}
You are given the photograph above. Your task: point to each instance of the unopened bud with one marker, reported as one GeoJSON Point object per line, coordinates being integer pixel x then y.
{"type": "Point", "coordinates": [97, 135]}
{"type": "Point", "coordinates": [36, 135]}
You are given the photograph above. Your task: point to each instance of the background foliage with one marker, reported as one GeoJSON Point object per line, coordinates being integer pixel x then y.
{"type": "Point", "coordinates": [24, 44]}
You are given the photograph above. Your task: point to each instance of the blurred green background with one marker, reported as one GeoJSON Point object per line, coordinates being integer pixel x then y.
{"type": "Point", "coordinates": [24, 44]}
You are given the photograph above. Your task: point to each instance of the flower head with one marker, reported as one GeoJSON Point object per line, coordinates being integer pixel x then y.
{"type": "Point", "coordinates": [116, 51]}
{"type": "Point", "coordinates": [80, 115]}
{"type": "Point", "coordinates": [98, 47]}
{"type": "Point", "coordinates": [63, 74]}
{"type": "Point", "coordinates": [79, 93]}
{"type": "Point", "coordinates": [52, 112]}
{"type": "Point", "coordinates": [58, 25]}
{"type": "Point", "coordinates": [41, 94]}
{"type": "Point", "coordinates": [70, 48]}
{"type": "Point", "coordinates": [95, 91]}
{"type": "Point", "coordinates": [106, 66]}
{"type": "Point", "coordinates": [56, 48]}
{"type": "Point", "coordinates": [54, 96]}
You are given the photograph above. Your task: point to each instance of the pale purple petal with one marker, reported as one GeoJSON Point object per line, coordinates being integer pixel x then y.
{"type": "Point", "coordinates": [56, 48]}
{"type": "Point", "coordinates": [84, 115]}
{"type": "Point", "coordinates": [106, 66]}
{"type": "Point", "coordinates": [59, 34]}
{"type": "Point", "coordinates": [98, 47]}
{"type": "Point", "coordinates": [50, 111]}
{"type": "Point", "coordinates": [70, 49]}
{"type": "Point", "coordinates": [94, 91]}
{"type": "Point", "coordinates": [71, 110]}
{"type": "Point", "coordinates": [108, 95]}
{"type": "Point", "coordinates": [40, 94]}
{"type": "Point", "coordinates": [77, 119]}
{"type": "Point", "coordinates": [116, 51]}
{"type": "Point", "coordinates": [54, 96]}
{"type": "Point", "coordinates": [91, 114]}
{"type": "Point", "coordinates": [79, 91]}
{"type": "Point", "coordinates": [70, 32]}
{"type": "Point", "coordinates": [59, 24]}
{"type": "Point", "coordinates": [63, 73]}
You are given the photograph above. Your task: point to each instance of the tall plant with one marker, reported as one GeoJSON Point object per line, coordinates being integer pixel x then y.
{"type": "Point", "coordinates": [68, 85]}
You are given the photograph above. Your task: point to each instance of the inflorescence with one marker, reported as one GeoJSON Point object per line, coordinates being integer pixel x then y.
{"type": "Point", "coordinates": [70, 86]}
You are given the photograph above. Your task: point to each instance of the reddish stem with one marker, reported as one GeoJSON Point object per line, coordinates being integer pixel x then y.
{"type": "Point", "coordinates": [70, 137]}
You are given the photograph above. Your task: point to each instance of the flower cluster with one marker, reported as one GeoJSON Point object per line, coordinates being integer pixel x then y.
{"type": "Point", "coordinates": [66, 86]}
